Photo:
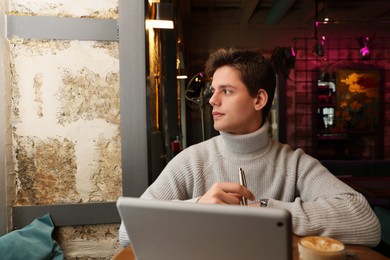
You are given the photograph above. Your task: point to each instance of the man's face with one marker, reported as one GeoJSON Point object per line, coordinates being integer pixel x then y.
{"type": "Point", "coordinates": [234, 110]}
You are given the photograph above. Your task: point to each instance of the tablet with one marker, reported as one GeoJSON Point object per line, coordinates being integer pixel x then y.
{"type": "Point", "coordinates": [182, 230]}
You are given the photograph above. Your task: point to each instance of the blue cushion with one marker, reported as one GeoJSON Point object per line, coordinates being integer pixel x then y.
{"type": "Point", "coordinates": [383, 215]}
{"type": "Point", "coordinates": [31, 242]}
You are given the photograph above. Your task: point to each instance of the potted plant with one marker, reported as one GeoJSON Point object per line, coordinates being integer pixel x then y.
{"type": "Point", "coordinates": [283, 59]}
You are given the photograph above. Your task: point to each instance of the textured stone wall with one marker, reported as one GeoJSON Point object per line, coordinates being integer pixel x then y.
{"type": "Point", "coordinates": [64, 119]}
{"type": "Point", "coordinates": [106, 9]}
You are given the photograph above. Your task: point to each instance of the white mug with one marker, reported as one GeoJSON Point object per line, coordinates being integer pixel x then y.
{"type": "Point", "coordinates": [321, 248]}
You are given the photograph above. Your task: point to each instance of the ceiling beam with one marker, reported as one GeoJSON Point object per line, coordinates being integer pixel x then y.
{"type": "Point", "coordinates": [248, 11]}
{"type": "Point", "coordinates": [278, 10]}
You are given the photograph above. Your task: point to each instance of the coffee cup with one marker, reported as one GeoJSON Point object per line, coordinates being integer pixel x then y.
{"type": "Point", "coordinates": [321, 248]}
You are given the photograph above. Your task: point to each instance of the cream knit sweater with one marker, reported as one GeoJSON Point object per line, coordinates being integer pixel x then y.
{"type": "Point", "coordinates": [319, 203]}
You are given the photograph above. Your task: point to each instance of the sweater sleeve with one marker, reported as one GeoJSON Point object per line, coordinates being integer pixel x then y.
{"type": "Point", "coordinates": [123, 237]}
{"type": "Point", "coordinates": [171, 184]}
{"type": "Point", "coordinates": [326, 206]}
{"type": "Point", "coordinates": [177, 179]}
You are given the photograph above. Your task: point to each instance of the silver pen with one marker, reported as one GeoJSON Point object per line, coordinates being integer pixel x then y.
{"type": "Point", "coordinates": [241, 175]}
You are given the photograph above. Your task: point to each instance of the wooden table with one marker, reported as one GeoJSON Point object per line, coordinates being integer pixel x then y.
{"type": "Point", "coordinates": [364, 253]}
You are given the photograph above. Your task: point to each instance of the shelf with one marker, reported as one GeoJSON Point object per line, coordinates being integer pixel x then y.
{"type": "Point", "coordinates": [339, 141]}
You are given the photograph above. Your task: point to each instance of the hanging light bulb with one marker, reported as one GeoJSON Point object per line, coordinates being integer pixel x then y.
{"type": "Point", "coordinates": [319, 47]}
{"type": "Point", "coordinates": [365, 51]}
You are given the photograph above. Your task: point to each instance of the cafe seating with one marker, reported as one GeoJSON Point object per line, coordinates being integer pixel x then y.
{"type": "Point", "coordinates": [33, 241]}
{"type": "Point", "coordinates": [362, 168]}
{"type": "Point", "coordinates": [383, 215]}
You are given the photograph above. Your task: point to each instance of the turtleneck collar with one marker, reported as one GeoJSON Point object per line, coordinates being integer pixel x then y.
{"type": "Point", "coordinates": [246, 143]}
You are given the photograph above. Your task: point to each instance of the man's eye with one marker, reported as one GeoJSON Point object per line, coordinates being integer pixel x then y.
{"type": "Point", "coordinates": [226, 91]}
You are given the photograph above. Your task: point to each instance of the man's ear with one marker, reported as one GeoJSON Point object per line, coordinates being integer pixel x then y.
{"type": "Point", "coordinates": [261, 99]}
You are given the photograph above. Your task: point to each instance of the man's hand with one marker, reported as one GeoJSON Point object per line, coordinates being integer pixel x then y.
{"type": "Point", "coordinates": [226, 193]}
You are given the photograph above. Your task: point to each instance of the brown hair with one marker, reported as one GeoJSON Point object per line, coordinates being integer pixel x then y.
{"type": "Point", "coordinates": [255, 71]}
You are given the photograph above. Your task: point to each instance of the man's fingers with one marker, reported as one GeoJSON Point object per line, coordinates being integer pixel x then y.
{"type": "Point", "coordinates": [231, 187]}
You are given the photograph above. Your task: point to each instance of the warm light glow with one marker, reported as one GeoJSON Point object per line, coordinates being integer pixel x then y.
{"type": "Point", "coordinates": [159, 24]}
{"type": "Point", "coordinates": [181, 77]}
{"type": "Point", "coordinates": [153, 1]}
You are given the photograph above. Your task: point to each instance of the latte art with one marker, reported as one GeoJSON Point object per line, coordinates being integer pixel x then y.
{"type": "Point", "coordinates": [324, 244]}
{"type": "Point", "coordinates": [321, 248]}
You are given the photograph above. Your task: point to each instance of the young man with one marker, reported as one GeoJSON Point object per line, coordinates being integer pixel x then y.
{"type": "Point", "coordinates": [243, 85]}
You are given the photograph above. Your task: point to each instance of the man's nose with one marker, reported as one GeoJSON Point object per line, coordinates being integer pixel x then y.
{"type": "Point", "coordinates": [213, 99]}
